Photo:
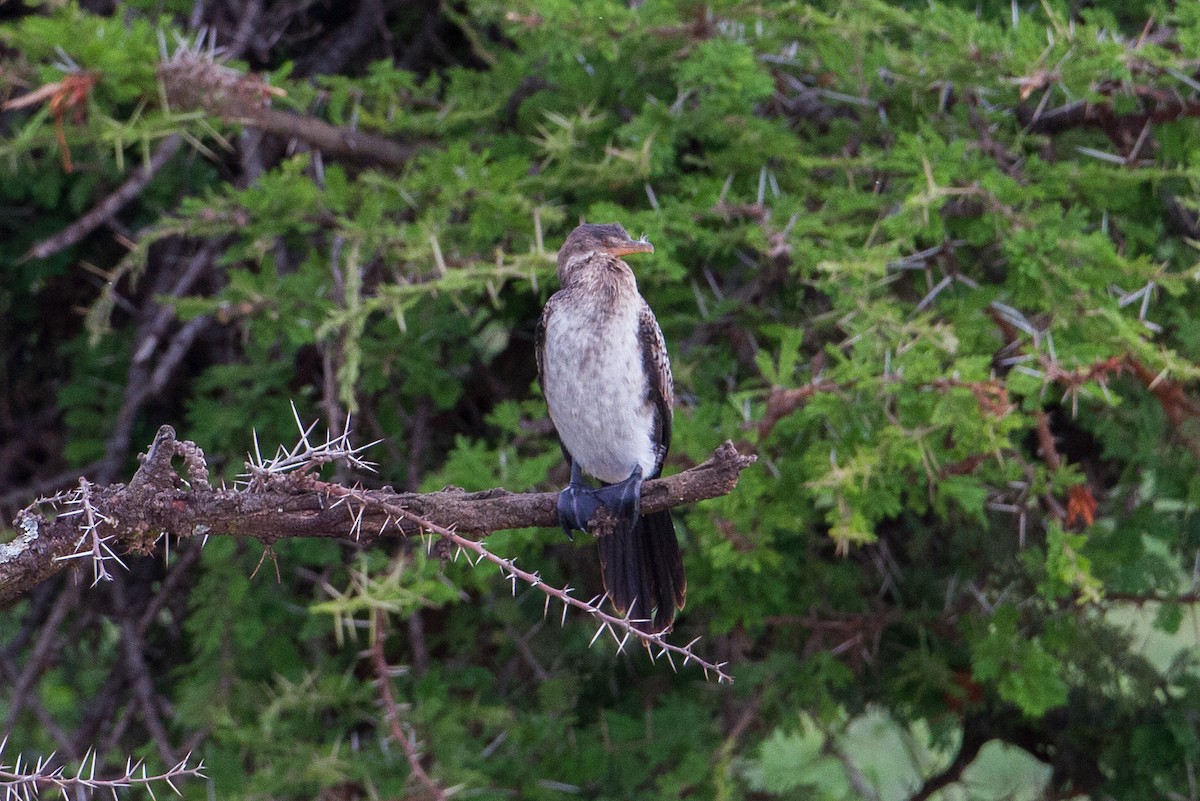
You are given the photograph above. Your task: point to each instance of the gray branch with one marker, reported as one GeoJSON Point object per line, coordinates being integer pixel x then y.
{"type": "Point", "coordinates": [158, 501]}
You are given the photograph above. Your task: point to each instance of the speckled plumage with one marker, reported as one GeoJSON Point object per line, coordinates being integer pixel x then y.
{"type": "Point", "coordinates": [603, 367]}
{"type": "Point", "coordinates": [603, 403]}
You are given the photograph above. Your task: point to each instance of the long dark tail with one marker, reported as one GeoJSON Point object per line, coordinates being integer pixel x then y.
{"type": "Point", "coordinates": [643, 570]}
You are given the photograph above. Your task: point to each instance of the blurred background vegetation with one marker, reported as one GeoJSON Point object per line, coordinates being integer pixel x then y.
{"type": "Point", "coordinates": [934, 262]}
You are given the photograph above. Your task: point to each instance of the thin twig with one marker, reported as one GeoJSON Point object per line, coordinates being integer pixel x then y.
{"type": "Point", "coordinates": [40, 654]}
{"type": "Point", "coordinates": [391, 710]}
{"type": "Point", "coordinates": [138, 672]}
{"type": "Point", "coordinates": [104, 211]}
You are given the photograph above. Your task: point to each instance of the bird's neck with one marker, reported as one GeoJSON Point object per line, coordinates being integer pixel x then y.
{"type": "Point", "coordinates": [602, 277]}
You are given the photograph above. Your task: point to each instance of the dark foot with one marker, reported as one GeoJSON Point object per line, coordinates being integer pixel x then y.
{"type": "Point", "coordinates": [577, 504]}
{"type": "Point", "coordinates": [623, 499]}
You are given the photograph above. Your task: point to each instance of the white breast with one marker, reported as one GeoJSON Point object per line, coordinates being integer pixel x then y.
{"type": "Point", "coordinates": [596, 388]}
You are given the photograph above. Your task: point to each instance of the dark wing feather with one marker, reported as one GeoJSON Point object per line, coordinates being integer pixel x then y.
{"type": "Point", "coordinates": [663, 585]}
{"type": "Point", "coordinates": [660, 388]}
{"type": "Point", "coordinates": [539, 339]}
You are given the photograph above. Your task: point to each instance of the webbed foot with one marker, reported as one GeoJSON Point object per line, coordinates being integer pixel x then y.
{"type": "Point", "coordinates": [577, 504]}
{"type": "Point", "coordinates": [623, 499]}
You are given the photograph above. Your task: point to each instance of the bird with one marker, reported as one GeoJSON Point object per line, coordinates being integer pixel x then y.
{"type": "Point", "coordinates": [604, 372]}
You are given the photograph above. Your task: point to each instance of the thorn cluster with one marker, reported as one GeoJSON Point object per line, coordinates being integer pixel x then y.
{"type": "Point", "coordinates": [25, 780]}
{"type": "Point", "coordinates": [91, 542]}
{"type": "Point", "coordinates": [195, 77]}
{"type": "Point", "coordinates": [305, 455]}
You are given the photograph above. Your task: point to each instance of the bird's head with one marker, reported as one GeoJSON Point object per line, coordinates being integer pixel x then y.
{"type": "Point", "coordinates": [589, 239]}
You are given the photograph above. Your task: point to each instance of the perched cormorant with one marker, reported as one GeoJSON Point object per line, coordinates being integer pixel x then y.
{"type": "Point", "coordinates": [603, 368]}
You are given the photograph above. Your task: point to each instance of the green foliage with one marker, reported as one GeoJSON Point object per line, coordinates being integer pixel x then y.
{"type": "Point", "coordinates": [870, 269]}
{"type": "Point", "coordinates": [1024, 672]}
{"type": "Point", "coordinates": [789, 762]}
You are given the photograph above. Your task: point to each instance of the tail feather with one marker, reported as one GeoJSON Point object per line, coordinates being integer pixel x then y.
{"type": "Point", "coordinates": [643, 570]}
{"type": "Point", "coordinates": [621, 567]}
{"type": "Point", "coordinates": [663, 565]}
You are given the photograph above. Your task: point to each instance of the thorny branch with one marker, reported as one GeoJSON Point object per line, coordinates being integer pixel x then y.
{"type": "Point", "coordinates": [194, 78]}
{"type": "Point", "coordinates": [129, 190]}
{"type": "Point", "coordinates": [1159, 107]}
{"type": "Point", "coordinates": [283, 499]}
{"type": "Point", "coordinates": [25, 781]}
{"type": "Point", "coordinates": [655, 644]}
{"type": "Point", "coordinates": [992, 394]}
{"type": "Point", "coordinates": [1033, 357]}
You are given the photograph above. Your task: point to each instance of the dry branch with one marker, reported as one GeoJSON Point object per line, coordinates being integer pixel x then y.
{"type": "Point", "coordinates": [28, 778]}
{"type": "Point", "coordinates": [1159, 107]}
{"type": "Point", "coordinates": [129, 190]}
{"type": "Point", "coordinates": [158, 501]}
{"type": "Point", "coordinates": [193, 79]}
{"type": "Point", "coordinates": [391, 710]}
{"type": "Point", "coordinates": [106, 209]}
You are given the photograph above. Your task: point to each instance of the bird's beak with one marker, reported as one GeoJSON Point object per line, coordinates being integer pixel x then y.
{"type": "Point", "coordinates": [632, 246]}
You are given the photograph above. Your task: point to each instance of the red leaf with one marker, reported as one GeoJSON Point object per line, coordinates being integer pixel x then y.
{"type": "Point", "coordinates": [1080, 505]}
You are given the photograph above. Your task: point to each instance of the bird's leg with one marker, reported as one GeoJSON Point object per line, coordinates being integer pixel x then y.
{"type": "Point", "coordinates": [623, 499]}
{"type": "Point", "coordinates": [577, 503]}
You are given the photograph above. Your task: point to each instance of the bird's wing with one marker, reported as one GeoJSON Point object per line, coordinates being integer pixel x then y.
{"type": "Point", "coordinates": [660, 388]}
{"type": "Point", "coordinates": [539, 339]}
